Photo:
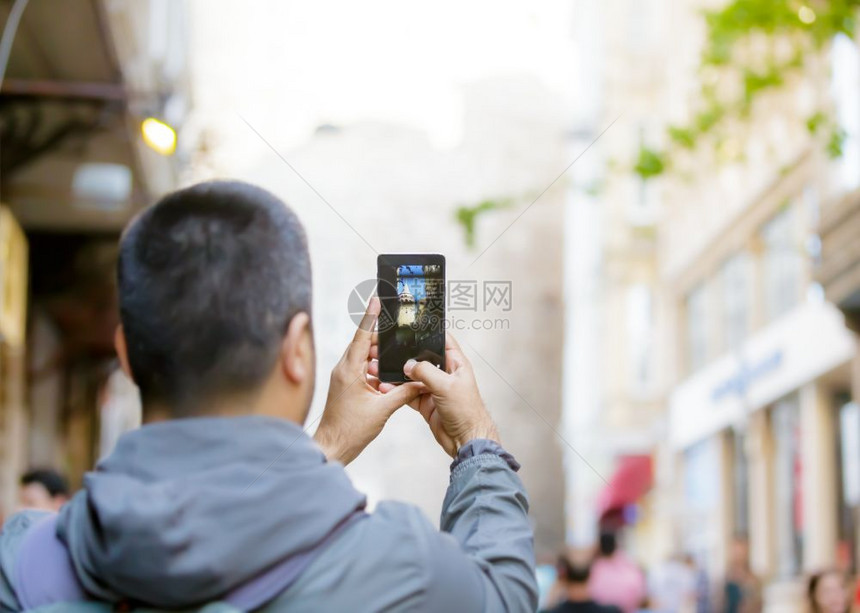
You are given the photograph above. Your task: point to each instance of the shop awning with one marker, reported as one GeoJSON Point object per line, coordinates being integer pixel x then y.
{"type": "Point", "coordinates": [67, 109]}
{"type": "Point", "coordinates": [633, 477]}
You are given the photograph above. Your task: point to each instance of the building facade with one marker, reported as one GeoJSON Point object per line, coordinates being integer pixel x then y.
{"type": "Point", "coordinates": [747, 248]}
{"type": "Point", "coordinates": [759, 425]}
{"type": "Point", "coordinates": [764, 373]}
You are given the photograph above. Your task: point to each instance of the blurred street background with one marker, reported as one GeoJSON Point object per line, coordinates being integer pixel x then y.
{"type": "Point", "coordinates": [650, 211]}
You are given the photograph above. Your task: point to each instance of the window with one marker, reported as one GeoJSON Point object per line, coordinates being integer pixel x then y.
{"type": "Point", "coordinates": [701, 472]}
{"type": "Point", "coordinates": [639, 337]}
{"type": "Point", "coordinates": [740, 486]}
{"type": "Point", "coordinates": [786, 482]}
{"type": "Point", "coordinates": [735, 277]}
{"type": "Point", "coordinates": [845, 89]}
{"type": "Point", "coordinates": [849, 484]}
{"type": "Point", "coordinates": [781, 265]}
{"type": "Point", "coordinates": [697, 331]}
{"type": "Point", "coordinates": [699, 524]}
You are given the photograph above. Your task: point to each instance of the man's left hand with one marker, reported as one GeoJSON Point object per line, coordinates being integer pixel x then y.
{"type": "Point", "coordinates": [358, 405]}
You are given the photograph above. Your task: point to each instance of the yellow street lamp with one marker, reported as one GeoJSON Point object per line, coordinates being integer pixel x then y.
{"type": "Point", "coordinates": [158, 135]}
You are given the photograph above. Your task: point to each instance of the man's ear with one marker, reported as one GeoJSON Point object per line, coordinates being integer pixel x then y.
{"type": "Point", "coordinates": [122, 351]}
{"type": "Point", "coordinates": [297, 353]}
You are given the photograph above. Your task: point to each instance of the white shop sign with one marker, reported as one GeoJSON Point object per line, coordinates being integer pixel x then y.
{"type": "Point", "coordinates": [792, 351]}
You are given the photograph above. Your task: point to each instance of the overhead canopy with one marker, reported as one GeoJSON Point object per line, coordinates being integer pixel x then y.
{"type": "Point", "coordinates": [64, 105]}
{"type": "Point", "coordinates": [632, 479]}
{"type": "Point", "coordinates": [82, 74]}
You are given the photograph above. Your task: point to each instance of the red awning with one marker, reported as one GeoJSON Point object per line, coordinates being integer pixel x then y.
{"type": "Point", "coordinates": [633, 477]}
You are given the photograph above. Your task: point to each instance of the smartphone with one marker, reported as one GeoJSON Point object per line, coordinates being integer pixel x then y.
{"type": "Point", "coordinates": [411, 325]}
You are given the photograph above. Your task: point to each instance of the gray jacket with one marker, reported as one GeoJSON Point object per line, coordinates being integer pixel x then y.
{"type": "Point", "coordinates": [186, 511]}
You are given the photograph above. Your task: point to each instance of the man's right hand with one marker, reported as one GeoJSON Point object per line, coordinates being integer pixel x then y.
{"type": "Point", "coordinates": [452, 405]}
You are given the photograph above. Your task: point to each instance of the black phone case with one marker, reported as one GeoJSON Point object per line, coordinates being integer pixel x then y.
{"type": "Point", "coordinates": [394, 337]}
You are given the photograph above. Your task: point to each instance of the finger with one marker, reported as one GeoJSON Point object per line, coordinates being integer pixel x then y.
{"type": "Point", "coordinates": [422, 391]}
{"type": "Point", "coordinates": [385, 387]}
{"type": "Point", "coordinates": [359, 348]}
{"type": "Point", "coordinates": [424, 404]}
{"type": "Point", "coordinates": [427, 373]}
{"type": "Point", "coordinates": [454, 356]}
{"type": "Point", "coordinates": [373, 367]}
{"type": "Point", "coordinates": [373, 382]}
{"type": "Point", "coordinates": [400, 395]}
{"type": "Point", "coordinates": [451, 343]}
{"type": "Point", "coordinates": [415, 405]}
{"type": "Point", "coordinates": [374, 351]}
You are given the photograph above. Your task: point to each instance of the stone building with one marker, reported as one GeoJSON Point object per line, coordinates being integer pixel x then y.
{"type": "Point", "coordinates": [754, 455]}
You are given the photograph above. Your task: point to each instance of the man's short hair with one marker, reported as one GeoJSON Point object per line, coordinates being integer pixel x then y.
{"type": "Point", "coordinates": [50, 479]}
{"type": "Point", "coordinates": [209, 279]}
{"type": "Point", "coordinates": [572, 571]}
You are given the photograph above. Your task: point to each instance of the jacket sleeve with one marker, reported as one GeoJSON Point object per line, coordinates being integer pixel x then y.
{"type": "Point", "coordinates": [483, 560]}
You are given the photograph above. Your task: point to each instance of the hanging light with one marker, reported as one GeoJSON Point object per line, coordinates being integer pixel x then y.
{"type": "Point", "coordinates": [158, 135]}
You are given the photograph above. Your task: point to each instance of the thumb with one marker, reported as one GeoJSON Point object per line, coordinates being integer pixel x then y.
{"type": "Point", "coordinates": [395, 398]}
{"type": "Point", "coordinates": [425, 372]}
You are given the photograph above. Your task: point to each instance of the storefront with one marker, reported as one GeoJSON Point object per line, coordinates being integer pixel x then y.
{"type": "Point", "coordinates": [754, 432]}
{"type": "Point", "coordinates": [76, 166]}
{"type": "Point", "coordinates": [839, 274]}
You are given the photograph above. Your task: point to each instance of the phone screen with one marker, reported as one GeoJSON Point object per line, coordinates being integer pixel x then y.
{"type": "Point", "coordinates": [411, 289]}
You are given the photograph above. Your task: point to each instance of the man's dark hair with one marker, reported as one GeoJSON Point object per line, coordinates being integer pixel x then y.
{"type": "Point", "coordinates": [572, 572]}
{"type": "Point", "coordinates": [608, 543]}
{"type": "Point", "coordinates": [50, 479]}
{"type": "Point", "coordinates": [209, 279]}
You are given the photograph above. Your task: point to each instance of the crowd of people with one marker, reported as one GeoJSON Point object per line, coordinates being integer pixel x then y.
{"type": "Point", "coordinates": [607, 580]}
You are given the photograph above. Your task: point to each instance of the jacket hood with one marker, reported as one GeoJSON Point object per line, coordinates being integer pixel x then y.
{"type": "Point", "coordinates": [185, 510]}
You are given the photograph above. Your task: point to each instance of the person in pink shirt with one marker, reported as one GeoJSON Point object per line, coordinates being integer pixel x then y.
{"type": "Point", "coordinates": [615, 578]}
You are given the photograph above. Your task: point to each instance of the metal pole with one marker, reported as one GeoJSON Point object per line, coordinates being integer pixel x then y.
{"type": "Point", "coordinates": [9, 31]}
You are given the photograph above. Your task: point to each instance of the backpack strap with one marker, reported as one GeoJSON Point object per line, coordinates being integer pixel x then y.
{"type": "Point", "coordinates": [269, 584]}
{"type": "Point", "coordinates": [45, 574]}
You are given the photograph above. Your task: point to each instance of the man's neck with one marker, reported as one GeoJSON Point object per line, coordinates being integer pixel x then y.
{"type": "Point", "coordinates": [578, 593]}
{"type": "Point", "coordinates": [234, 406]}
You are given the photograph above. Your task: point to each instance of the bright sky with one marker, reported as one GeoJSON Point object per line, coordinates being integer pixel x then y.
{"type": "Point", "coordinates": [302, 64]}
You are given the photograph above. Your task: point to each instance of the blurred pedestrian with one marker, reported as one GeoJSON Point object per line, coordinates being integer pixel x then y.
{"type": "Point", "coordinates": [549, 586]}
{"type": "Point", "coordinates": [827, 593]}
{"type": "Point", "coordinates": [43, 489]}
{"type": "Point", "coordinates": [703, 585]}
{"type": "Point", "coordinates": [615, 578]}
{"type": "Point", "coordinates": [222, 496]}
{"type": "Point", "coordinates": [742, 589]}
{"type": "Point", "coordinates": [573, 578]}
{"type": "Point", "coordinates": [856, 589]}
{"type": "Point", "coordinates": [672, 586]}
